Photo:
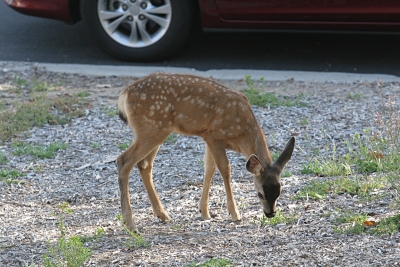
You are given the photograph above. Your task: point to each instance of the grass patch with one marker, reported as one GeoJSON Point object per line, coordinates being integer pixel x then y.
{"type": "Point", "coordinates": [38, 151]}
{"type": "Point", "coordinates": [362, 187]}
{"type": "Point", "coordinates": [70, 251]}
{"type": "Point", "coordinates": [3, 158]}
{"type": "Point", "coordinates": [135, 240]}
{"type": "Point", "coordinates": [110, 111]}
{"type": "Point", "coordinates": [37, 111]}
{"type": "Point", "coordinates": [83, 94]}
{"type": "Point", "coordinates": [279, 218]}
{"type": "Point", "coordinates": [172, 138]}
{"type": "Point", "coordinates": [215, 262]}
{"type": "Point", "coordinates": [358, 224]}
{"type": "Point", "coordinates": [96, 145]}
{"type": "Point", "coordinates": [259, 98]}
{"type": "Point", "coordinates": [123, 146]}
{"type": "Point", "coordinates": [9, 176]}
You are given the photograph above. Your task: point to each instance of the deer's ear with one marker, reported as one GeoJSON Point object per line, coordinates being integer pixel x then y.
{"type": "Point", "coordinates": [253, 165]}
{"type": "Point", "coordinates": [286, 154]}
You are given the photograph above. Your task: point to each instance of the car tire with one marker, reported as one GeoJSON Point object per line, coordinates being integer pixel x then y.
{"type": "Point", "coordinates": [139, 30]}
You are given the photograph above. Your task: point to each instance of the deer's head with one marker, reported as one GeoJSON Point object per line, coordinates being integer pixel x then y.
{"type": "Point", "coordinates": [267, 180]}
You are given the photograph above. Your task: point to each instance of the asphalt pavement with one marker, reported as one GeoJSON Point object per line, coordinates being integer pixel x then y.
{"type": "Point", "coordinates": [30, 39]}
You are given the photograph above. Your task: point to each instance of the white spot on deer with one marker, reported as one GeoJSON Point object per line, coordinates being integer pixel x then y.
{"type": "Point", "coordinates": [228, 117]}
{"type": "Point", "coordinates": [237, 119]}
{"type": "Point", "coordinates": [200, 90]}
{"type": "Point", "coordinates": [187, 98]}
{"type": "Point", "coordinates": [162, 91]}
{"type": "Point", "coordinates": [219, 121]}
{"type": "Point", "coordinates": [180, 116]}
{"type": "Point", "coordinates": [211, 94]}
{"type": "Point", "coordinates": [238, 127]}
{"type": "Point", "coordinates": [231, 127]}
{"type": "Point", "coordinates": [151, 113]}
{"type": "Point", "coordinates": [152, 108]}
{"type": "Point", "coordinates": [197, 79]}
{"type": "Point", "coordinates": [228, 105]}
{"type": "Point", "coordinates": [152, 96]}
{"type": "Point", "coordinates": [205, 115]}
{"type": "Point", "coordinates": [143, 96]}
{"type": "Point", "coordinates": [178, 99]}
{"type": "Point", "coordinates": [158, 107]}
{"type": "Point", "coordinates": [157, 97]}
{"type": "Point", "coordinates": [192, 101]}
{"type": "Point", "coordinates": [160, 123]}
{"type": "Point", "coordinates": [222, 131]}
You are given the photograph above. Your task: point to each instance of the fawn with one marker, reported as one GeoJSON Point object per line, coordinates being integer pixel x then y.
{"type": "Point", "coordinates": [161, 103]}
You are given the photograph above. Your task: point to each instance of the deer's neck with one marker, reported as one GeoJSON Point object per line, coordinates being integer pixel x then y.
{"type": "Point", "coordinates": [257, 145]}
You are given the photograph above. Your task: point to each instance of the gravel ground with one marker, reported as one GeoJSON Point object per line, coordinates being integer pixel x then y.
{"type": "Point", "coordinates": [85, 176]}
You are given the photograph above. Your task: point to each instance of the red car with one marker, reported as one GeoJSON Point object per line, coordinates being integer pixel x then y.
{"type": "Point", "coordinates": [143, 30]}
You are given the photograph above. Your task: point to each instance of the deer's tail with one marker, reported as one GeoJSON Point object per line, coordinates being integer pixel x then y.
{"type": "Point", "coordinates": [122, 106]}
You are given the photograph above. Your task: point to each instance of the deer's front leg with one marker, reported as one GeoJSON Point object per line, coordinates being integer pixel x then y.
{"type": "Point", "coordinates": [209, 170]}
{"type": "Point", "coordinates": [224, 168]}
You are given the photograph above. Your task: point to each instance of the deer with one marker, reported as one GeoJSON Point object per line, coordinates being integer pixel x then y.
{"type": "Point", "coordinates": [161, 103]}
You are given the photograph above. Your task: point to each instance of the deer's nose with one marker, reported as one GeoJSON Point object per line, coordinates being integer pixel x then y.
{"type": "Point", "coordinates": [270, 215]}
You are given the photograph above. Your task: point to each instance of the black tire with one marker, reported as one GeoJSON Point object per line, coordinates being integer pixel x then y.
{"type": "Point", "coordinates": [167, 40]}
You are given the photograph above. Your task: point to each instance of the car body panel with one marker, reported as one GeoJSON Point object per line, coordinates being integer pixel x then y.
{"type": "Point", "coordinates": [345, 15]}
{"type": "Point", "coordinates": [53, 9]}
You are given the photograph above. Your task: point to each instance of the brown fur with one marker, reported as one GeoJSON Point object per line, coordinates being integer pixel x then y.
{"type": "Point", "coordinates": [161, 103]}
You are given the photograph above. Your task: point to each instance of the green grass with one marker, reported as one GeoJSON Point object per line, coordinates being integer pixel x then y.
{"type": "Point", "coordinates": [10, 176]}
{"type": "Point", "coordinates": [357, 224]}
{"type": "Point", "coordinates": [286, 174]}
{"type": "Point", "coordinates": [304, 121]}
{"type": "Point", "coordinates": [172, 138]}
{"type": "Point", "coordinates": [69, 252]}
{"type": "Point", "coordinates": [83, 94]}
{"type": "Point", "coordinates": [259, 98]}
{"type": "Point", "coordinates": [215, 262]}
{"type": "Point", "coordinates": [110, 111]}
{"type": "Point", "coordinates": [37, 111]}
{"type": "Point", "coordinates": [96, 145]}
{"type": "Point", "coordinates": [39, 151]}
{"type": "Point", "coordinates": [135, 240]}
{"type": "Point", "coordinates": [3, 158]}
{"type": "Point", "coordinates": [362, 187]}
{"type": "Point", "coordinates": [123, 146]}
{"type": "Point", "coordinates": [279, 218]}
{"type": "Point", "coordinates": [354, 96]}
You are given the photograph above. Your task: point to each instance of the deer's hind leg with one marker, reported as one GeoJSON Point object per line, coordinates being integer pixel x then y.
{"type": "Point", "coordinates": [146, 172]}
{"type": "Point", "coordinates": [209, 170]}
{"type": "Point", "coordinates": [139, 150]}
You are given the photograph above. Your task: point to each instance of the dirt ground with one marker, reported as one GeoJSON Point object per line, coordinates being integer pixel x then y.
{"type": "Point", "coordinates": [84, 175]}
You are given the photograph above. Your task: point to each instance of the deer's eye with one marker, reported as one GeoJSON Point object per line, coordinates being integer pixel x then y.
{"type": "Point", "coordinates": [260, 196]}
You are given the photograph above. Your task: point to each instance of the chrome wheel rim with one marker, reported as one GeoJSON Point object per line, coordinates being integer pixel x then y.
{"type": "Point", "coordinates": [135, 23]}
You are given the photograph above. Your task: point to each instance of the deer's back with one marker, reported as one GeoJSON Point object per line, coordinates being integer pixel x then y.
{"type": "Point", "coordinates": [188, 104]}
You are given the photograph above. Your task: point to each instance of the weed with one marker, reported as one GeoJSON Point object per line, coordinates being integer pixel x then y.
{"type": "Point", "coordinates": [279, 218]}
{"type": "Point", "coordinates": [354, 96]}
{"type": "Point", "coordinates": [259, 98]}
{"type": "Point", "coordinates": [123, 146]}
{"type": "Point", "coordinates": [3, 158]}
{"type": "Point", "coordinates": [9, 176]}
{"type": "Point", "coordinates": [85, 239]}
{"type": "Point", "coordinates": [38, 151]}
{"type": "Point", "coordinates": [83, 94]}
{"type": "Point", "coordinates": [136, 240]}
{"type": "Point", "coordinates": [286, 173]}
{"type": "Point", "coordinates": [68, 252]}
{"type": "Point", "coordinates": [110, 111]}
{"type": "Point", "coordinates": [172, 138]}
{"type": "Point", "coordinates": [215, 262]}
{"type": "Point", "coordinates": [96, 145]}
{"type": "Point", "coordinates": [316, 189]}
{"type": "Point", "coordinates": [40, 86]}
{"type": "Point", "coordinates": [387, 226]}
{"type": "Point", "coordinates": [356, 224]}
{"type": "Point", "coordinates": [304, 121]}
{"type": "Point", "coordinates": [39, 110]}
